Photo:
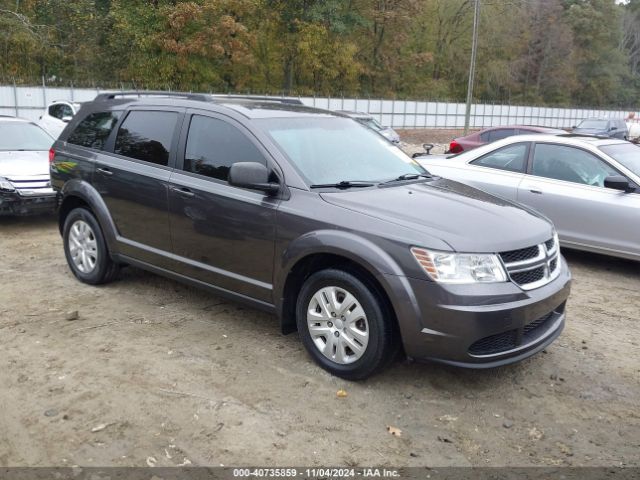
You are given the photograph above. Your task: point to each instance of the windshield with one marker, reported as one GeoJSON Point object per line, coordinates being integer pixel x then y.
{"type": "Point", "coordinates": [593, 124]}
{"type": "Point", "coordinates": [332, 150]}
{"type": "Point", "coordinates": [627, 154]}
{"type": "Point", "coordinates": [23, 136]}
{"type": "Point", "coordinates": [371, 123]}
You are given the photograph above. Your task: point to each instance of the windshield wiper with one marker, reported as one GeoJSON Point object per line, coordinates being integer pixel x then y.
{"type": "Point", "coordinates": [407, 176]}
{"type": "Point", "coordinates": [344, 184]}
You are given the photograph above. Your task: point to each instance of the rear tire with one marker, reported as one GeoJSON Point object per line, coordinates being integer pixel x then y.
{"type": "Point", "coordinates": [85, 249]}
{"type": "Point", "coordinates": [344, 325]}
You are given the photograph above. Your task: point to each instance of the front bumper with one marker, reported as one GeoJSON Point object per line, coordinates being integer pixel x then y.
{"type": "Point", "coordinates": [481, 326]}
{"type": "Point", "coordinates": [12, 203]}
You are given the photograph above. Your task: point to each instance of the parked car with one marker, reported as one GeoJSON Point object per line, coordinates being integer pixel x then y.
{"type": "Point", "coordinates": [270, 203]}
{"type": "Point", "coordinates": [488, 135]}
{"type": "Point", "coordinates": [588, 187]}
{"type": "Point", "coordinates": [370, 122]}
{"type": "Point", "coordinates": [57, 115]}
{"type": "Point", "coordinates": [25, 186]}
{"type": "Point", "coordinates": [607, 127]}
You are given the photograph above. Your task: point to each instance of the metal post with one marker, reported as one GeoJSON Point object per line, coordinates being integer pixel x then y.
{"type": "Point", "coordinates": [15, 96]}
{"type": "Point", "coordinates": [472, 67]}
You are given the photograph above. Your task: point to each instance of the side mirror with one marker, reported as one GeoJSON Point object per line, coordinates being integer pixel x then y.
{"type": "Point", "coordinates": [428, 147]}
{"type": "Point", "coordinates": [252, 175]}
{"type": "Point", "coordinates": [66, 119]}
{"type": "Point", "coordinates": [618, 182]}
{"type": "Point", "coordinates": [612, 129]}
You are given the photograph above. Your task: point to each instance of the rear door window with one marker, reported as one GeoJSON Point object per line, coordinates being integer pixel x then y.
{"type": "Point", "coordinates": [501, 133]}
{"type": "Point", "coordinates": [94, 130]}
{"type": "Point", "coordinates": [147, 136]}
{"type": "Point", "coordinates": [512, 158]}
{"type": "Point", "coordinates": [213, 145]}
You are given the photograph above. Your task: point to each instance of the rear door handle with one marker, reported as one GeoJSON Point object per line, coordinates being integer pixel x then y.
{"type": "Point", "coordinates": [183, 191]}
{"type": "Point", "coordinates": [532, 190]}
{"type": "Point", "coordinates": [105, 171]}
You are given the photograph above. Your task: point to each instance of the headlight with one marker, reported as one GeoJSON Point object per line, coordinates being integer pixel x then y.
{"type": "Point", "coordinates": [449, 267]}
{"type": "Point", "coordinates": [6, 185]}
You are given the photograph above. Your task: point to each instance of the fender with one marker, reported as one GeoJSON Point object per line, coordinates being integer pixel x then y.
{"type": "Point", "coordinates": [356, 248]}
{"type": "Point", "coordinates": [82, 189]}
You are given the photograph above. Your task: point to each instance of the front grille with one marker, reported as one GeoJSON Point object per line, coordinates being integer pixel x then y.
{"type": "Point", "coordinates": [32, 185]}
{"type": "Point", "coordinates": [505, 341]}
{"type": "Point", "coordinates": [520, 255]}
{"type": "Point", "coordinates": [550, 244]}
{"type": "Point", "coordinates": [495, 343]}
{"type": "Point", "coordinates": [537, 327]}
{"type": "Point", "coordinates": [533, 266]}
{"type": "Point", "coordinates": [529, 276]}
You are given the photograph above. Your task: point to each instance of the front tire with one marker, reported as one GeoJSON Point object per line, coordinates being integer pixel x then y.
{"type": "Point", "coordinates": [344, 324]}
{"type": "Point", "coordinates": [85, 249]}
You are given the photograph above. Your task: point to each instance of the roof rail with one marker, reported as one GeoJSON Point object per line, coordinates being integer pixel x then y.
{"type": "Point", "coordinates": [260, 98]}
{"type": "Point", "coordinates": [144, 93]}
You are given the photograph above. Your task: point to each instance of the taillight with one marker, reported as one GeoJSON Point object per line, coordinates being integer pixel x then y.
{"type": "Point", "coordinates": [455, 147]}
{"type": "Point", "coordinates": [52, 155]}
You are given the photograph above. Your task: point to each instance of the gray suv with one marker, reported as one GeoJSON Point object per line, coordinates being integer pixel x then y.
{"type": "Point", "coordinates": [311, 216]}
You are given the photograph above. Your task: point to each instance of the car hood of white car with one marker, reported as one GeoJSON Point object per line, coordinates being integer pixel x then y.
{"type": "Point", "coordinates": [23, 163]}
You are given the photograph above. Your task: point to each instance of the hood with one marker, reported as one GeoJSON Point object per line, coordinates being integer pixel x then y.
{"type": "Point", "coordinates": [23, 163]}
{"type": "Point", "coordinates": [467, 219]}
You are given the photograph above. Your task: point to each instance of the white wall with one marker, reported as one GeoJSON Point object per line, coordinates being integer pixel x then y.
{"type": "Point", "coordinates": [29, 102]}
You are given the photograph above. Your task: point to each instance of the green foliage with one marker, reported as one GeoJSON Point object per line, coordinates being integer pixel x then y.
{"type": "Point", "coordinates": [545, 52]}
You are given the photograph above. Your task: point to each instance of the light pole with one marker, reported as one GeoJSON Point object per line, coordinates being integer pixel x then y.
{"type": "Point", "coordinates": [472, 67]}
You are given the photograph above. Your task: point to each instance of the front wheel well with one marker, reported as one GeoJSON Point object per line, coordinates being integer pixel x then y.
{"type": "Point", "coordinates": [311, 264]}
{"type": "Point", "coordinates": [68, 204]}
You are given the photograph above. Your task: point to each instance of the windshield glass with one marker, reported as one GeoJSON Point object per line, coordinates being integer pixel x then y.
{"type": "Point", "coordinates": [593, 124]}
{"type": "Point", "coordinates": [627, 154]}
{"type": "Point", "coordinates": [331, 150]}
{"type": "Point", "coordinates": [23, 136]}
{"type": "Point", "coordinates": [371, 123]}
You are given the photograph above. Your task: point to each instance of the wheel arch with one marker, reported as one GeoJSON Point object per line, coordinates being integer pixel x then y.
{"type": "Point", "coordinates": [332, 249]}
{"type": "Point", "coordinates": [77, 193]}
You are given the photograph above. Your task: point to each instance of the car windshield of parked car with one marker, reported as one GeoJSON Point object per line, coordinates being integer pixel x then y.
{"type": "Point", "coordinates": [593, 124]}
{"type": "Point", "coordinates": [627, 154]}
{"type": "Point", "coordinates": [331, 150]}
{"type": "Point", "coordinates": [23, 136]}
{"type": "Point", "coordinates": [372, 124]}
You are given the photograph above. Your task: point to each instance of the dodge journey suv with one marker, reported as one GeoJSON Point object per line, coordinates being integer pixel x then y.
{"type": "Point", "coordinates": [309, 215]}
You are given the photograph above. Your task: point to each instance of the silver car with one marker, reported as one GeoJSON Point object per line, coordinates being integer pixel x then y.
{"type": "Point", "coordinates": [589, 187]}
{"type": "Point", "coordinates": [25, 186]}
{"type": "Point", "coordinates": [370, 122]}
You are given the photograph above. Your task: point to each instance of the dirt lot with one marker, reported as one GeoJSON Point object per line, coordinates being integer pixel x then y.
{"type": "Point", "coordinates": [153, 372]}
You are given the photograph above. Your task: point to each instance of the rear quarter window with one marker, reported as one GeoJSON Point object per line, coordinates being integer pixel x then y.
{"type": "Point", "coordinates": [94, 130]}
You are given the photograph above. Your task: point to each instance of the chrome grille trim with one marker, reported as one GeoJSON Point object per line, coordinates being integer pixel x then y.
{"type": "Point", "coordinates": [548, 258]}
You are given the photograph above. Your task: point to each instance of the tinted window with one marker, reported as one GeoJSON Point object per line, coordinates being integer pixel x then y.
{"type": "Point", "coordinates": [147, 136]}
{"type": "Point", "coordinates": [570, 164]}
{"type": "Point", "coordinates": [512, 158]}
{"type": "Point", "coordinates": [94, 130]}
{"type": "Point", "coordinates": [55, 111]}
{"type": "Point", "coordinates": [501, 133]}
{"type": "Point", "coordinates": [214, 145]}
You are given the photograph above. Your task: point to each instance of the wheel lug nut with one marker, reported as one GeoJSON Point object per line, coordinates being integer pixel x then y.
{"type": "Point", "coordinates": [337, 334]}
{"type": "Point", "coordinates": [333, 314]}
{"type": "Point", "coordinates": [330, 324]}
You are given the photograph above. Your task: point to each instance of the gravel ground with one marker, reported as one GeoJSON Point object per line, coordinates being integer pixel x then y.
{"type": "Point", "coordinates": [151, 372]}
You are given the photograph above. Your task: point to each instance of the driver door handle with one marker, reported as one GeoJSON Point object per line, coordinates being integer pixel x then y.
{"type": "Point", "coordinates": [105, 171]}
{"type": "Point", "coordinates": [183, 191]}
{"type": "Point", "coordinates": [533, 190]}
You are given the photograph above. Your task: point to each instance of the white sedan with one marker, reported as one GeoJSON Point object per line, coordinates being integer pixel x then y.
{"type": "Point", "coordinates": [589, 187]}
